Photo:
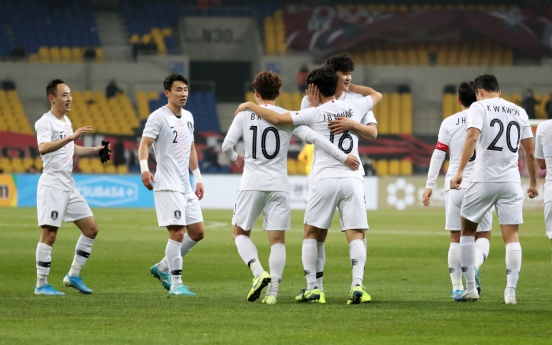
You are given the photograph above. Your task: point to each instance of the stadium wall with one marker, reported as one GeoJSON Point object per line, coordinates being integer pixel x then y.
{"type": "Point", "coordinates": [399, 193]}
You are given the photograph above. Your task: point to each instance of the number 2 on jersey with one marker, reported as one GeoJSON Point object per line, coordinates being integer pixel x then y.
{"type": "Point", "coordinates": [263, 142]}
{"type": "Point", "coordinates": [511, 124]}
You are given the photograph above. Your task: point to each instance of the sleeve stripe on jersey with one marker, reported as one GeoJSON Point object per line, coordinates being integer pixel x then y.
{"type": "Point", "coordinates": [441, 146]}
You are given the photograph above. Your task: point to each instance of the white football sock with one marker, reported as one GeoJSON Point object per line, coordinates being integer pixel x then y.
{"type": "Point", "coordinates": [43, 261]}
{"type": "Point", "coordinates": [276, 262]}
{"type": "Point", "coordinates": [320, 262]}
{"type": "Point", "coordinates": [513, 266]}
{"type": "Point", "coordinates": [309, 257]}
{"type": "Point", "coordinates": [187, 245]}
{"type": "Point", "coordinates": [172, 252]}
{"type": "Point", "coordinates": [455, 269]}
{"type": "Point", "coordinates": [249, 254]}
{"type": "Point", "coordinates": [82, 252]}
{"type": "Point", "coordinates": [482, 247]}
{"type": "Point", "coordinates": [467, 260]}
{"type": "Point", "coordinates": [357, 253]}
{"type": "Point", "coordinates": [163, 265]}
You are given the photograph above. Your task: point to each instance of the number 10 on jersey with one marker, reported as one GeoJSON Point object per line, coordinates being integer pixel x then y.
{"type": "Point", "coordinates": [263, 142]}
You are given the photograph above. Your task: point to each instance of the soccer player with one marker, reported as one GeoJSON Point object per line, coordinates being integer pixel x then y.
{"type": "Point", "coordinates": [496, 130]}
{"type": "Point", "coordinates": [264, 185]}
{"type": "Point", "coordinates": [170, 129]}
{"type": "Point", "coordinates": [332, 184]}
{"type": "Point", "coordinates": [451, 138]}
{"type": "Point", "coordinates": [57, 196]}
{"type": "Point", "coordinates": [343, 65]}
{"type": "Point", "coordinates": [543, 154]}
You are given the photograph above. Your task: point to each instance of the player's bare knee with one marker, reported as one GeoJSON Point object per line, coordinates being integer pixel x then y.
{"type": "Point", "coordinates": [197, 236]}
{"type": "Point", "coordinates": [92, 232]}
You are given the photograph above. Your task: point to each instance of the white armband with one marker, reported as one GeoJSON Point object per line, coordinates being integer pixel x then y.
{"type": "Point", "coordinates": [144, 166]}
{"type": "Point", "coordinates": [197, 176]}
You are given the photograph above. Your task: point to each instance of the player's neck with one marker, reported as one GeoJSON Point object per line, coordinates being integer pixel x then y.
{"type": "Point", "coordinates": [489, 95]}
{"type": "Point", "coordinates": [57, 113]}
{"type": "Point", "coordinates": [265, 102]}
{"type": "Point", "coordinates": [338, 93]}
{"type": "Point", "coordinates": [327, 99]}
{"type": "Point", "coordinates": [177, 111]}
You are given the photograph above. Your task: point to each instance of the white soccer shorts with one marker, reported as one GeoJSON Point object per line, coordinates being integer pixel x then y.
{"type": "Point", "coordinates": [548, 219]}
{"type": "Point", "coordinates": [193, 210]}
{"type": "Point", "coordinates": [54, 204]}
{"type": "Point", "coordinates": [275, 207]}
{"type": "Point", "coordinates": [453, 205]}
{"type": "Point", "coordinates": [506, 197]}
{"type": "Point", "coordinates": [347, 194]}
{"type": "Point", "coordinates": [170, 207]}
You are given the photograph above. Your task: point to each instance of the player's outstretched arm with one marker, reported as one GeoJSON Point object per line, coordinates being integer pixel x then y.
{"type": "Point", "coordinates": [343, 124]}
{"type": "Point", "coordinates": [232, 137]}
{"type": "Point", "coordinates": [366, 91]}
{"type": "Point", "coordinates": [467, 151]}
{"type": "Point", "coordinates": [52, 146]}
{"type": "Point", "coordinates": [88, 151]}
{"type": "Point", "coordinates": [143, 153]}
{"type": "Point", "coordinates": [194, 167]}
{"type": "Point", "coordinates": [528, 146]}
{"type": "Point", "coordinates": [437, 159]}
{"type": "Point", "coordinates": [267, 114]}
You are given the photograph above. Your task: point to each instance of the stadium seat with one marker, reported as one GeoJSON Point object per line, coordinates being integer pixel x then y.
{"type": "Point", "coordinates": [405, 167]}
{"type": "Point", "coordinates": [381, 167]}
{"type": "Point", "coordinates": [394, 167]}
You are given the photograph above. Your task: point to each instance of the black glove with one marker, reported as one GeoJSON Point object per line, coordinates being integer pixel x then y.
{"type": "Point", "coordinates": [105, 152]}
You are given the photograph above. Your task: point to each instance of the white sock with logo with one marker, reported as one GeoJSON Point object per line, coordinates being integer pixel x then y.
{"type": "Point", "coordinates": [320, 262]}
{"type": "Point", "coordinates": [43, 261]}
{"type": "Point", "coordinates": [249, 254]}
{"type": "Point", "coordinates": [455, 269]}
{"type": "Point", "coordinates": [513, 267]}
{"type": "Point", "coordinates": [357, 254]}
{"type": "Point", "coordinates": [186, 245]}
{"type": "Point", "coordinates": [482, 247]}
{"type": "Point", "coordinates": [467, 260]}
{"type": "Point", "coordinates": [276, 262]}
{"type": "Point", "coordinates": [82, 252]}
{"type": "Point", "coordinates": [174, 259]}
{"type": "Point", "coordinates": [309, 257]}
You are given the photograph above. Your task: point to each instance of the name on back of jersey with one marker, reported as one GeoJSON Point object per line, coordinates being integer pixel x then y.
{"type": "Point", "coordinates": [331, 117]}
{"type": "Point", "coordinates": [461, 121]}
{"type": "Point", "coordinates": [503, 109]}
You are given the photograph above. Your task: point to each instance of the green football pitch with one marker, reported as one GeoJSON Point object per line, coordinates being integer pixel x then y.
{"type": "Point", "coordinates": [406, 275]}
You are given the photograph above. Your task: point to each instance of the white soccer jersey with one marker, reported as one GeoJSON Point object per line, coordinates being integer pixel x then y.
{"type": "Point", "coordinates": [543, 150]}
{"type": "Point", "coordinates": [173, 140]}
{"type": "Point", "coordinates": [266, 148]}
{"type": "Point", "coordinates": [502, 124]}
{"type": "Point", "coordinates": [324, 166]}
{"type": "Point", "coordinates": [452, 134]}
{"type": "Point", "coordinates": [58, 165]}
{"type": "Point", "coordinates": [345, 96]}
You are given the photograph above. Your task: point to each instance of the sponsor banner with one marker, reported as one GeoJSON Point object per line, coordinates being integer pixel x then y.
{"type": "Point", "coordinates": [98, 190]}
{"type": "Point", "coordinates": [221, 191]}
{"type": "Point", "coordinates": [219, 38]}
{"type": "Point", "coordinates": [403, 193]}
{"type": "Point", "coordinates": [8, 191]}
{"type": "Point", "coordinates": [326, 28]}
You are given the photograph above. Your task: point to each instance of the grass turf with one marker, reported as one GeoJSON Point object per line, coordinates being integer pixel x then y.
{"type": "Point", "coordinates": [406, 275]}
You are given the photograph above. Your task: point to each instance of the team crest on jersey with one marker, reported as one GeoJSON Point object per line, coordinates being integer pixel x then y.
{"type": "Point", "coordinates": [177, 214]}
{"type": "Point", "coordinates": [54, 215]}
{"type": "Point", "coordinates": [190, 126]}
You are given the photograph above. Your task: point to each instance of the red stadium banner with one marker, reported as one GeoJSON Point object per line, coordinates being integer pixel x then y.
{"type": "Point", "coordinates": [324, 29]}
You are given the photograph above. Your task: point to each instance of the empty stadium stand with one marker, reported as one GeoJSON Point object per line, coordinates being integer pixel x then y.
{"type": "Point", "coordinates": [12, 115]}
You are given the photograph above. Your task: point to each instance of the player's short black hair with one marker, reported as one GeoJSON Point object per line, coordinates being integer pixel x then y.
{"type": "Point", "coordinates": [267, 84]}
{"type": "Point", "coordinates": [169, 81]}
{"type": "Point", "coordinates": [325, 79]}
{"type": "Point", "coordinates": [51, 88]}
{"type": "Point", "coordinates": [466, 93]}
{"type": "Point", "coordinates": [341, 62]}
{"type": "Point", "coordinates": [487, 82]}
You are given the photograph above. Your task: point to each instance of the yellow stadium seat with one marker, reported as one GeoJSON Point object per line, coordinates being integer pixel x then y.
{"type": "Point", "coordinates": [5, 165]}
{"type": "Point", "coordinates": [34, 58]}
{"type": "Point", "coordinates": [122, 169]}
{"type": "Point", "coordinates": [291, 166]}
{"type": "Point", "coordinates": [381, 167]}
{"type": "Point", "coordinates": [55, 55]}
{"type": "Point", "coordinates": [17, 165]}
{"type": "Point", "coordinates": [394, 167]}
{"type": "Point", "coordinates": [134, 39]}
{"type": "Point", "coordinates": [100, 55]}
{"type": "Point", "coordinates": [38, 163]}
{"type": "Point", "coordinates": [76, 54]}
{"type": "Point", "coordinates": [250, 96]}
{"type": "Point", "coordinates": [405, 167]}
{"type": "Point", "coordinates": [153, 95]}
{"type": "Point", "coordinates": [65, 55]}
{"type": "Point", "coordinates": [110, 169]}
{"type": "Point", "coordinates": [166, 32]}
{"type": "Point", "coordinates": [43, 54]}
{"type": "Point", "coordinates": [155, 32]}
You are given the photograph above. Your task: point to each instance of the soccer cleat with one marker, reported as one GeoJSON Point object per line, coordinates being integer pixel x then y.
{"type": "Point", "coordinates": [510, 299]}
{"type": "Point", "coordinates": [181, 290]}
{"type": "Point", "coordinates": [269, 299]}
{"type": "Point", "coordinates": [365, 296]}
{"type": "Point", "coordinates": [76, 282]}
{"type": "Point", "coordinates": [355, 297]}
{"type": "Point", "coordinates": [164, 278]}
{"type": "Point", "coordinates": [258, 285]}
{"type": "Point", "coordinates": [48, 290]}
{"type": "Point", "coordinates": [314, 295]}
{"type": "Point", "coordinates": [456, 293]}
{"type": "Point", "coordinates": [467, 296]}
{"type": "Point", "coordinates": [477, 281]}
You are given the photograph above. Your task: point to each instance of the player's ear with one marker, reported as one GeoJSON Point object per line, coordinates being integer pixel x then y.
{"type": "Point", "coordinates": [278, 95]}
{"type": "Point", "coordinates": [51, 98]}
{"type": "Point", "coordinates": [499, 93]}
{"type": "Point", "coordinates": [166, 92]}
{"type": "Point", "coordinates": [459, 101]}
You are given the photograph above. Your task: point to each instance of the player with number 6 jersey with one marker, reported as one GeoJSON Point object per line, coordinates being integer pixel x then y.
{"type": "Point", "coordinates": [264, 185]}
{"type": "Point", "coordinates": [496, 130]}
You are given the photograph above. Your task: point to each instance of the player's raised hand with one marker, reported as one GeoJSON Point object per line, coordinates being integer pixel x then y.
{"type": "Point", "coordinates": [456, 181]}
{"type": "Point", "coordinates": [427, 196]}
{"type": "Point", "coordinates": [79, 132]}
{"type": "Point", "coordinates": [532, 192]}
{"type": "Point", "coordinates": [199, 191]}
{"type": "Point", "coordinates": [239, 162]}
{"type": "Point", "coordinates": [352, 162]}
{"type": "Point", "coordinates": [340, 125]}
{"type": "Point", "coordinates": [148, 180]}
{"type": "Point", "coordinates": [242, 107]}
{"type": "Point", "coordinates": [313, 95]}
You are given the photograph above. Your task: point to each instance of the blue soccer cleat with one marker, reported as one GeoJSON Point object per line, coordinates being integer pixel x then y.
{"type": "Point", "coordinates": [47, 290]}
{"type": "Point", "coordinates": [456, 293]}
{"type": "Point", "coordinates": [76, 282]}
{"type": "Point", "coordinates": [181, 290]}
{"type": "Point", "coordinates": [467, 296]}
{"type": "Point", "coordinates": [164, 278]}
